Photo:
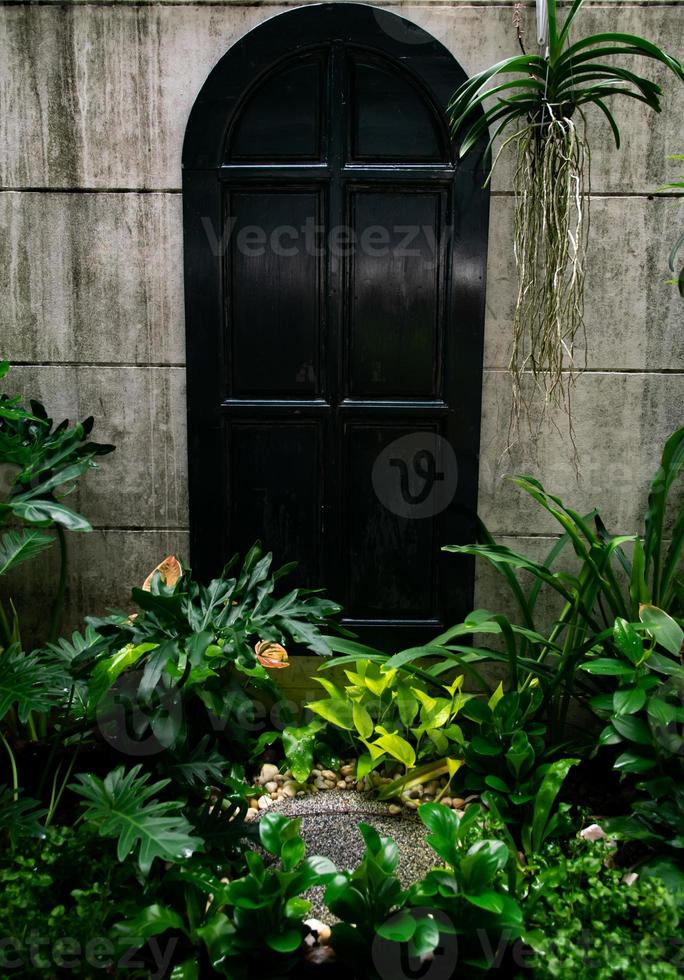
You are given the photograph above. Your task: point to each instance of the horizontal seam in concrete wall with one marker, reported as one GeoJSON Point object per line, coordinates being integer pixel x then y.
{"type": "Point", "coordinates": [400, 4]}
{"type": "Point", "coordinates": [136, 528]}
{"type": "Point", "coordinates": [594, 195]}
{"type": "Point", "coordinates": [177, 365]}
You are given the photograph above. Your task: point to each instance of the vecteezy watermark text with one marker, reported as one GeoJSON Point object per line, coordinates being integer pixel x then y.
{"type": "Point", "coordinates": [98, 952]}
{"type": "Point", "coordinates": [315, 239]}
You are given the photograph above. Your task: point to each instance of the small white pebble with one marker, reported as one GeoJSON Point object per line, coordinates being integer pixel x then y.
{"type": "Point", "coordinates": [264, 802]}
{"type": "Point", "coordinates": [268, 772]}
{"type": "Point", "coordinates": [271, 786]}
{"type": "Point", "coordinates": [394, 809]}
{"type": "Point", "coordinates": [630, 878]}
{"type": "Point", "coordinates": [251, 815]}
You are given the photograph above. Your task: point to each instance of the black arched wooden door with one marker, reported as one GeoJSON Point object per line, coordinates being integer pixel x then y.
{"type": "Point", "coordinates": [334, 275]}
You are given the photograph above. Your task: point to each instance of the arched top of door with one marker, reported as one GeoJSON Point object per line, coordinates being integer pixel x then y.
{"type": "Point", "coordinates": [284, 58]}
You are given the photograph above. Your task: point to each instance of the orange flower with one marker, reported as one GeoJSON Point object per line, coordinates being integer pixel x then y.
{"type": "Point", "coordinates": [170, 571]}
{"type": "Point", "coordinates": [271, 654]}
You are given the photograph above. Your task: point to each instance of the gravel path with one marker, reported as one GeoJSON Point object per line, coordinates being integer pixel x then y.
{"type": "Point", "coordinates": [330, 827]}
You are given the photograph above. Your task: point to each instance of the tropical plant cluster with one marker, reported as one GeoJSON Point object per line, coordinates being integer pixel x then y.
{"type": "Point", "coordinates": [129, 753]}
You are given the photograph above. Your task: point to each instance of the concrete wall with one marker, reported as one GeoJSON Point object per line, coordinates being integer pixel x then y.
{"type": "Point", "coordinates": [94, 98]}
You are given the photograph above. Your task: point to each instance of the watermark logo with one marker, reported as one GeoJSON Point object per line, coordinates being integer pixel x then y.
{"type": "Point", "coordinates": [416, 475]}
{"type": "Point", "coordinates": [138, 722]}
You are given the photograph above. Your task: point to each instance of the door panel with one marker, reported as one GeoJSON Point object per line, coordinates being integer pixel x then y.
{"type": "Point", "coordinates": [283, 118]}
{"type": "Point", "coordinates": [394, 290]}
{"type": "Point", "coordinates": [276, 487]}
{"type": "Point", "coordinates": [401, 586]}
{"type": "Point", "coordinates": [386, 109]}
{"type": "Point", "coordinates": [275, 311]}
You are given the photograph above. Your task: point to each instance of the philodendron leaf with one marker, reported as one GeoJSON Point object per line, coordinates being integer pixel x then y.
{"type": "Point", "coordinates": [19, 546]}
{"type": "Point", "coordinates": [151, 921]}
{"type": "Point", "coordinates": [121, 806]}
{"type": "Point", "coordinates": [298, 745]}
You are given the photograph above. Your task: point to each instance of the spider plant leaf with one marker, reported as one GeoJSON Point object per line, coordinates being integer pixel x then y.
{"type": "Point", "coordinates": [523, 64]}
{"type": "Point", "coordinates": [485, 94]}
{"type": "Point", "coordinates": [611, 120]}
{"type": "Point", "coordinates": [596, 72]}
{"type": "Point", "coordinates": [671, 463]}
{"type": "Point", "coordinates": [639, 45]}
{"type": "Point", "coordinates": [590, 94]}
{"type": "Point", "coordinates": [482, 125]}
{"type": "Point", "coordinates": [673, 254]}
{"type": "Point", "coordinates": [554, 40]}
{"type": "Point", "coordinates": [674, 552]}
{"type": "Point", "coordinates": [572, 13]}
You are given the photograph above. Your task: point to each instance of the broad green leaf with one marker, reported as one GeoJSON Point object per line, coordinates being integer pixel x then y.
{"type": "Point", "coordinates": [629, 700]}
{"type": "Point", "coordinates": [399, 929]}
{"type": "Point", "coordinates": [634, 729]}
{"type": "Point", "coordinates": [398, 748]}
{"type": "Point", "coordinates": [151, 921]}
{"type": "Point", "coordinates": [611, 668]}
{"type": "Point", "coordinates": [628, 641]}
{"type": "Point", "coordinates": [546, 797]}
{"type": "Point", "coordinates": [662, 628]}
{"type": "Point", "coordinates": [496, 697]}
{"type": "Point", "coordinates": [298, 745]}
{"type": "Point", "coordinates": [426, 936]}
{"type": "Point", "coordinates": [482, 863]}
{"type": "Point", "coordinates": [490, 901]}
{"type": "Point", "coordinates": [338, 713]}
{"type": "Point", "coordinates": [18, 546]}
{"type": "Point", "coordinates": [362, 720]}
{"type": "Point", "coordinates": [30, 682]}
{"type": "Point", "coordinates": [285, 942]}
{"type": "Point", "coordinates": [633, 762]}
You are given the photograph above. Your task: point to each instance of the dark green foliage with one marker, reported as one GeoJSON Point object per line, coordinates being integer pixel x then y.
{"type": "Point", "coordinates": [588, 923]}
{"type": "Point", "coordinates": [61, 891]}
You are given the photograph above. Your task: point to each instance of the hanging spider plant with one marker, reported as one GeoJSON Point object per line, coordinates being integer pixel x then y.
{"type": "Point", "coordinates": [545, 103]}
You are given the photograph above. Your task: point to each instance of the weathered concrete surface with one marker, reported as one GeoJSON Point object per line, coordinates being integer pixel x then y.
{"type": "Point", "coordinates": [98, 96]}
{"type": "Point", "coordinates": [621, 424]}
{"type": "Point", "coordinates": [92, 278]}
{"type": "Point", "coordinates": [142, 412]}
{"type": "Point", "coordinates": [634, 319]}
{"type": "Point", "coordinates": [104, 566]}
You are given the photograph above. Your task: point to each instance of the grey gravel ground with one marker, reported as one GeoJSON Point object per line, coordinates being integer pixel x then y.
{"type": "Point", "coordinates": [330, 827]}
